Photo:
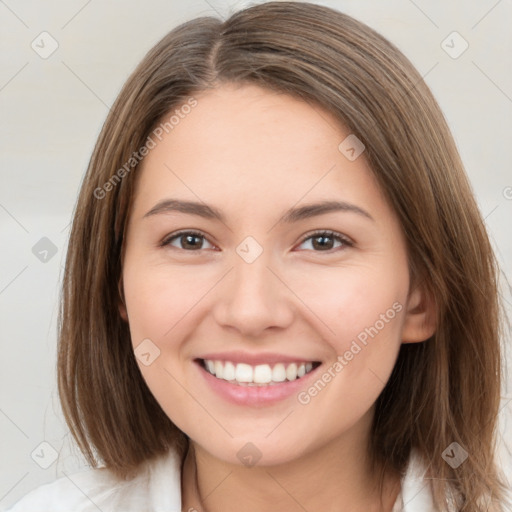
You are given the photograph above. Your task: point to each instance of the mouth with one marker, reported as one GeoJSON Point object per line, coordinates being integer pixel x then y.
{"type": "Point", "coordinates": [260, 375]}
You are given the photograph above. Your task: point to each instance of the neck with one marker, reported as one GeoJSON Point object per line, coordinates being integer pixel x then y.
{"type": "Point", "coordinates": [336, 475]}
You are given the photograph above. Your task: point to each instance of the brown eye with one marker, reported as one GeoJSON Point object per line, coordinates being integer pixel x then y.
{"type": "Point", "coordinates": [323, 241]}
{"type": "Point", "coordinates": [186, 240]}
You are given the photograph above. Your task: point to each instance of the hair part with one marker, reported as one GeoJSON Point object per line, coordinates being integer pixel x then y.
{"type": "Point", "coordinates": [443, 390]}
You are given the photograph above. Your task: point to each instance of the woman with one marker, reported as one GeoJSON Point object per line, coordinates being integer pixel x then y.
{"type": "Point", "coordinates": [278, 282]}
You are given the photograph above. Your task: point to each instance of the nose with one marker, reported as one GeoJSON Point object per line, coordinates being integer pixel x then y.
{"type": "Point", "coordinates": [253, 298]}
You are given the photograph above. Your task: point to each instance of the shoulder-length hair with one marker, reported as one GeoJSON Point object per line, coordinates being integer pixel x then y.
{"type": "Point", "coordinates": [441, 391]}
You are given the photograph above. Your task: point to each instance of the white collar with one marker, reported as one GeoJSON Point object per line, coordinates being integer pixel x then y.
{"type": "Point", "coordinates": [415, 494]}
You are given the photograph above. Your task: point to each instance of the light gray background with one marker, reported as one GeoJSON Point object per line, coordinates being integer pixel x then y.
{"type": "Point", "coordinates": [52, 111]}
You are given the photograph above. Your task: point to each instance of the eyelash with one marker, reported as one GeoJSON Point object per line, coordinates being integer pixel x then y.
{"type": "Point", "coordinates": [324, 233]}
{"type": "Point", "coordinates": [332, 234]}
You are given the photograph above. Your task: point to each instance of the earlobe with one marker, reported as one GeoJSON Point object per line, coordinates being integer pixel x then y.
{"type": "Point", "coordinates": [420, 316]}
{"type": "Point", "coordinates": [122, 312]}
{"type": "Point", "coordinates": [121, 302]}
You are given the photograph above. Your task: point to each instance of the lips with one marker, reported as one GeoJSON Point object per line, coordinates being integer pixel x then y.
{"type": "Point", "coordinates": [256, 380]}
{"type": "Point", "coordinates": [249, 393]}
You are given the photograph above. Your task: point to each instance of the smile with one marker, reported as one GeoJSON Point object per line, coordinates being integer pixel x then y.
{"type": "Point", "coordinates": [243, 374]}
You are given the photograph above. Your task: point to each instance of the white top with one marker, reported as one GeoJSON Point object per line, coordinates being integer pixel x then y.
{"type": "Point", "coordinates": [157, 488]}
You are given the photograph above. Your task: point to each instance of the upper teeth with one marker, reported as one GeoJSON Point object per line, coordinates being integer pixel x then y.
{"type": "Point", "coordinates": [246, 374]}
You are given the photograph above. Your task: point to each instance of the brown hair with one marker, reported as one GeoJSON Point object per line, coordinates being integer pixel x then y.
{"type": "Point", "coordinates": [444, 390]}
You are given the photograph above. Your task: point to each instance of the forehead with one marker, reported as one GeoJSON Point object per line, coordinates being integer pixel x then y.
{"type": "Point", "coordinates": [249, 147]}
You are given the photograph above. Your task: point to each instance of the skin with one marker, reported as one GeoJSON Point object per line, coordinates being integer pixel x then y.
{"type": "Point", "coordinates": [253, 154]}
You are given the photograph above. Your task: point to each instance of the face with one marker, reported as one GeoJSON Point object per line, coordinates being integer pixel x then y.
{"type": "Point", "coordinates": [252, 283]}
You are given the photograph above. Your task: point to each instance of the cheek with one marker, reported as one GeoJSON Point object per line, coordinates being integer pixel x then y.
{"type": "Point", "coordinates": [365, 320]}
{"type": "Point", "coordinates": [157, 301]}
{"type": "Point", "coordinates": [352, 303]}
{"type": "Point", "coordinates": [362, 309]}
{"type": "Point", "coordinates": [156, 312]}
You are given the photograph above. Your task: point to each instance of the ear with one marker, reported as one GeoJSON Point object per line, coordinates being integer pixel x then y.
{"type": "Point", "coordinates": [121, 302]}
{"type": "Point", "coordinates": [420, 316]}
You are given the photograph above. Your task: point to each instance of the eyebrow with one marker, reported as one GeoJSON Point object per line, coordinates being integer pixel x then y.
{"type": "Point", "coordinates": [292, 215]}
